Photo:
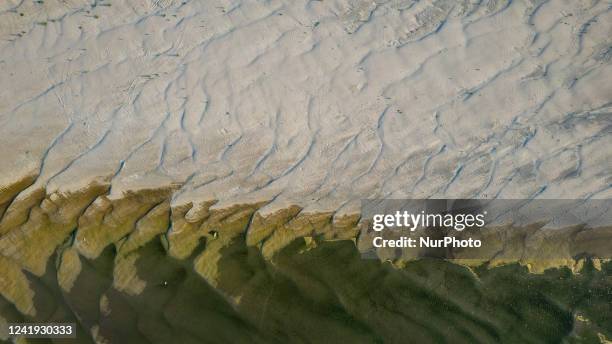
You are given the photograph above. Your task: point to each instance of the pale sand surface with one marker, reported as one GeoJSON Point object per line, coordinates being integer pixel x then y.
{"type": "Point", "coordinates": [316, 103]}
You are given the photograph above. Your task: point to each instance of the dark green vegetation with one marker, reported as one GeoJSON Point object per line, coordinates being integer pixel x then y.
{"type": "Point", "coordinates": [327, 294]}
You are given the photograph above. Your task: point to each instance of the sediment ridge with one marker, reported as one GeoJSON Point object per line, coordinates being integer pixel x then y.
{"type": "Point", "coordinates": [36, 226]}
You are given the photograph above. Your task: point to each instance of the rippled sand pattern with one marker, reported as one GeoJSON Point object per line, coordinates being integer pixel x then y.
{"type": "Point", "coordinates": [316, 103]}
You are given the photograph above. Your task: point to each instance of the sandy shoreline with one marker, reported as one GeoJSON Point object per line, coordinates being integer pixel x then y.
{"type": "Point", "coordinates": [213, 156]}
{"type": "Point", "coordinates": [313, 103]}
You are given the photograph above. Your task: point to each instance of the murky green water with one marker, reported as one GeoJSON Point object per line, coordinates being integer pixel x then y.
{"type": "Point", "coordinates": [328, 294]}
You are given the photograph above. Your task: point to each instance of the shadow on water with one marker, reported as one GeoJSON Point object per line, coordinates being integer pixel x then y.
{"type": "Point", "coordinates": [325, 294]}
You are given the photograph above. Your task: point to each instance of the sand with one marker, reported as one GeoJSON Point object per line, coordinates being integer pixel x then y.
{"type": "Point", "coordinates": [314, 103]}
